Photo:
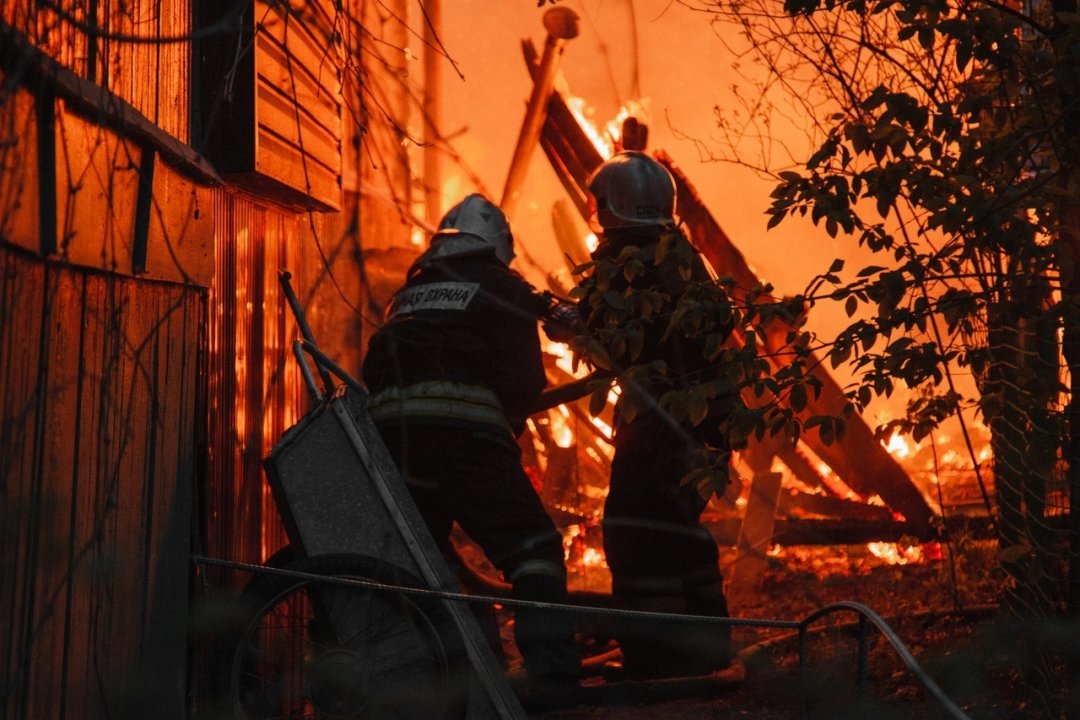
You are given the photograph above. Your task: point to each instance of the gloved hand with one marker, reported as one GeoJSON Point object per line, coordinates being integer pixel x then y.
{"type": "Point", "coordinates": [562, 321]}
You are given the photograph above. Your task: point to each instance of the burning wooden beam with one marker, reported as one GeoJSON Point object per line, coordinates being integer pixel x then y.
{"type": "Point", "coordinates": [857, 458]}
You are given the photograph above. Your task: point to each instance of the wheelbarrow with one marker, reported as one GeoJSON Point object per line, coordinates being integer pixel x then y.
{"type": "Point", "coordinates": [338, 625]}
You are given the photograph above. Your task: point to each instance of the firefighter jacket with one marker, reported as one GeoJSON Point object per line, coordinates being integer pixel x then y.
{"type": "Point", "coordinates": [460, 347]}
{"type": "Point", "coordinates": [662, 275]}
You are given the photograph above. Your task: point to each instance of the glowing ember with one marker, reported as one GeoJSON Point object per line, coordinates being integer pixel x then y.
{"type": "Point", "coordinates": [896, 554]}
{"type": "Point", "coordinates": [560, 427]}
{"type": "Point", "coordinates": [592, 558]}
{"type": "Point", "coordinates": [899, 447]}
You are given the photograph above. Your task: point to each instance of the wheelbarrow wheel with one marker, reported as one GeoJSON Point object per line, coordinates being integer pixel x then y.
{"type": "Point", "coordinates": [313, 649]}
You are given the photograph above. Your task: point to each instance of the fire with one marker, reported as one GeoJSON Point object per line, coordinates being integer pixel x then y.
{"type": "Point", "coordinates": [607, 139]}
{"type": "Point", "coordinates": [582, 111]}
{"type": "Point", "coordinates": [577, 552]}
{"type": "Point", "coordinates": [899, 447]}
{"type": "Point", "coordinates": [560, 427]}
{"type": "Point", "coordinates": [897, 554]}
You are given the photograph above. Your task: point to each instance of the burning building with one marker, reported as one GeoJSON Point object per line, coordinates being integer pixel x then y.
{"type": "Point", "coordinates": [160, 162]}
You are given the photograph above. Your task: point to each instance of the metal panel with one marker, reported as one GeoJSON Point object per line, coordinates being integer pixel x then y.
{"type": "Point", "coordinates": [341, 493]}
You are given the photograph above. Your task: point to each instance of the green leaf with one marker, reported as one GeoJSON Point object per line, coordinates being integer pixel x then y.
{"type": "Point", "coordinates": [797, 397]}
{"type": "Point", "coordinates": [615, 300]}
{"type": "Point", "coordinates": [697, 407]}
{"type": "Point", "coordinates": [598, 401]}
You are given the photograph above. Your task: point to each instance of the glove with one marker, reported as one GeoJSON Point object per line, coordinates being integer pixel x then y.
{"type": "Point", "coordinates": [562, 321]}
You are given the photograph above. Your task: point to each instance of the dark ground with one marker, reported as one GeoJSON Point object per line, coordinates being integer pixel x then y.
{"type": "Point", "coordinates": [949, 626]}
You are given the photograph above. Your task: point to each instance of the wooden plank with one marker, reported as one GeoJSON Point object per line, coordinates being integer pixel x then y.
{"type": "Point", "coordinates": [34, 69]}
{"type": "Point", "coordinates": [19, 221]}
{"type": "Point", "coordinates": [308, 74]}
{"type": "Point", "coordinates": [278, 159]}
{"type": "Point", "coordinates": [180, 245]}
{"type": "Point", "coordinates": [167, 502]}
{"type": "Point", "coordinates": [21, 331]}
{"type": "Point", "coordinates": [301, 130]}
{"type": "Point", "coordinates": [860, 460]}
{"type": "Point", "coordinates": [98, 177]}
{"type": "Point", "coordinates": [59, 477]}
{"type": "Point", "coordinates": [857, 455]}
{"type": "Point", "coordinates": [751, 560]}
{"type": "Point", "coordinates": [84, 554]}
{"type": "Point", "coordinates": [121, 491]}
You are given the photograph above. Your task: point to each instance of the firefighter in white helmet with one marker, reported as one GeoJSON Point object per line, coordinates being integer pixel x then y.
{"type": "Point", "coordinates": [660, 556]}
{"type": "Point", "coordinates": [453, 374]}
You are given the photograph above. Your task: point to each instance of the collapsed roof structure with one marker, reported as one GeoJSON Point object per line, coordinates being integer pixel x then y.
{"type": "Point", "coordinates": [857, 458]}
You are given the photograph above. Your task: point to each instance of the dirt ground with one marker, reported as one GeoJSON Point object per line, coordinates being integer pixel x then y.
{"type": "Point", "coordinates": [944, 612]}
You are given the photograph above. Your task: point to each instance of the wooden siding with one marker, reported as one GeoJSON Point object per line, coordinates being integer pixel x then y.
{"type": "Point", "coordinates": [113, 49]}
{"type": "Point", "coordinates": [271, 116]}
{"type": "Point", "coordinates": [101, 395]}
{"type": "Point", "coordinates": [92, 189]}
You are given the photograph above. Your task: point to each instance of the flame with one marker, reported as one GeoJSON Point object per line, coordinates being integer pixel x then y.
{"type": "Point", "coordinates": [607, 138]}
{"type": "Point", "coordinates": [896, 554]}
{"type": "Point", "coordinates": [592, 558]}
{"type": "Point", "coordinates": [899, 447]}
{"type": "Point", "coordinates": [582, 111]}
{"type": "Point", "coordinates": [592, 242]}
{"type": "Point", "coordinates": [560, 427]}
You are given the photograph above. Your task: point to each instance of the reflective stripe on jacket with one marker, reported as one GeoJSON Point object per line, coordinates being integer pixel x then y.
{"type": "Point", "coordinates": [439, 402]}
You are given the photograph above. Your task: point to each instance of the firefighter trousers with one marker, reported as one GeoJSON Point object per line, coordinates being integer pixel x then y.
{"type": "Point", "coordinates": [475, 478]}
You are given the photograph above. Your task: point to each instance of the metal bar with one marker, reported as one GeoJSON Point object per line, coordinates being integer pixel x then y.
{"type": "Point", "coordinates": [951, 708]}
{"type": "Point", "coordinates": [305, 370]}
{"type": "Point", "coordinates": [325, 363]}
{"type": "Point", "coordinates": [802, 670]}
{"type": "Point", "coordinates": [285, 277]}
{"type": "Point", "coordinates": [863, 674]}
{"type": "Point", "coordinates": [562, 25]}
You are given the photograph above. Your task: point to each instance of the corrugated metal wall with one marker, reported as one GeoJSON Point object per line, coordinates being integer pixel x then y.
{"type": "Point", "coordinates": [256, 390]}
{"type": "Point", "coordinates": [129, 402]}
{"type": "Point", "coordinates": [101, 391]}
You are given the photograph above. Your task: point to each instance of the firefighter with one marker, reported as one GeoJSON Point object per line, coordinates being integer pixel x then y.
{"type": "Point", "coordinates": [660, 556]}
{"type": "Point", "coordinates": [453, 374]}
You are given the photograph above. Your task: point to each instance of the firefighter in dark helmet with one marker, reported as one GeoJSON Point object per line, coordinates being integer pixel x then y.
{"type": "Point", "coordinates": [660, 556]}
{"type": "Point", "coordinates": [453, 374]}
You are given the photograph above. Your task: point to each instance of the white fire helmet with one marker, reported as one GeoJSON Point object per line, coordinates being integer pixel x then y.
{"type": "Point", "coordinates": [631, 189]}
{"type": "Point", "coordinates": [475, 225]}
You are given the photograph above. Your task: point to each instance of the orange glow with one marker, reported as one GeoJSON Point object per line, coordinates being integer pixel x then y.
{"type": "Point", "coordinates": [560, 427]}
{"type": "Point", "coordinates": [582, 112]}
{"type": "Point", "coordinates": [899, 447]}
{"type": "Point", "coordinates": [896, 554]}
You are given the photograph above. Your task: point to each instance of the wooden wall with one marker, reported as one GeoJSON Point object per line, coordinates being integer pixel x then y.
{"type": "Point", "coordinates": [101, 391]}
{"type": "Point", "coordinates": [145, 356]}
{"type": "Point", "coordinates": [111, 47]}
{"type": "Point", "coordinates": [103, 355]}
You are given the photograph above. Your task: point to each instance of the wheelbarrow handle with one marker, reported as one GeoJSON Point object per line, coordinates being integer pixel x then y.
{"type": "Point", "coordinates": [285, 277]}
